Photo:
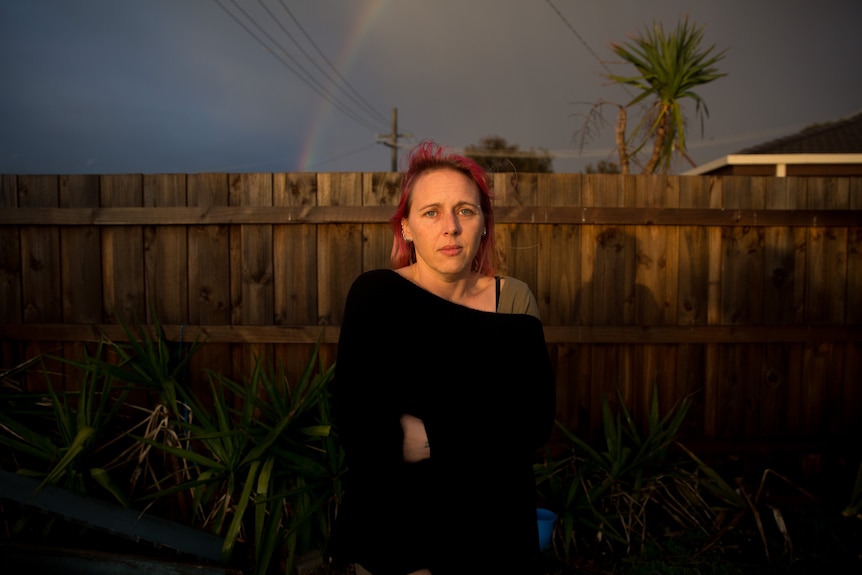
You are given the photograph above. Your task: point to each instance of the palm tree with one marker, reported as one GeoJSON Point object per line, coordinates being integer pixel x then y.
{"type": "Point", "coordinates": [670, 67]}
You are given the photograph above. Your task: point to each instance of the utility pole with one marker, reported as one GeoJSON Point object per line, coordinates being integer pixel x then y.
{"type": "Point", "coordinates": [391, 140]}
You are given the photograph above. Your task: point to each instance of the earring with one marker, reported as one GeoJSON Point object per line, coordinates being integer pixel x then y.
{"type": "Point", "coordinates": [484, 232]}
{"type": "Point", "coordinates": [404, 236]}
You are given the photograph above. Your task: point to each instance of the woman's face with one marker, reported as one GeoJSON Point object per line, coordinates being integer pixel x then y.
{"type": "Point", "coordinates": [445, 222]}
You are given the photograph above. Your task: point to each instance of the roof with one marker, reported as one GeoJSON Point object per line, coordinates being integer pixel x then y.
{"type": "Point", "coordinates": [836, 147]}
{"type": "Point", "coordinates": [839, 137]}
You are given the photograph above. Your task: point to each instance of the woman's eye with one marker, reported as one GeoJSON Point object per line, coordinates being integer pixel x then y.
{"type": "Point", "coordinates": [431, 213]}
{"type": "Point", "coordinates": [467, 212]}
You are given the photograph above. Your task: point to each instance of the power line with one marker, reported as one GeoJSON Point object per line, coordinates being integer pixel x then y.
{"type": "Point", "coordinates": [308, 80]}
{"type": "Point", "coordinates": [358, 98]}
{"type": "Point", "coordinates": [584, 42]}
{"type": "Point", "coordinates": [578, 36]}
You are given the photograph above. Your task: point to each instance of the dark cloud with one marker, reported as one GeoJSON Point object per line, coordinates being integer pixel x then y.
{"type": "Point", "coordinates": [166, 86]}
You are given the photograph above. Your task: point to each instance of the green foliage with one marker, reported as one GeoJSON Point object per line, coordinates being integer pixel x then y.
{"type": "Point", "coordinates": [257, 459]}
{"type": "Point", "coordinates": [634, 489]}
{"type": "Point", "coordinates": [647, 504]}
{"type": "Point", "coordinates": [265, 472]}
{"type": "Point", "coordinates": [60, 433]}
{"type": "Point", "coordinates": [261, 466]}
{"type": "Point", "coordinates": [670, 66]}
{"type": "Point", "coordinates": [151, 362]}
{"type": "Point", "coordinates": [150, 365]}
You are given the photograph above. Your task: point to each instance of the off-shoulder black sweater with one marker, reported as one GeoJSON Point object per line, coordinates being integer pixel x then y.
{"type": "Point", "coordinates": [483, 384]}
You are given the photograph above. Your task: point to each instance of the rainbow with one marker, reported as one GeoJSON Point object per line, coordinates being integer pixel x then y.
{"type": "Point", "coordinates": [368, 14]}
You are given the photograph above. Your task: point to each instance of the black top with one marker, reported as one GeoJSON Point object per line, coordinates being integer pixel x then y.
{"type": "Point", "coordinates": [483, 384]}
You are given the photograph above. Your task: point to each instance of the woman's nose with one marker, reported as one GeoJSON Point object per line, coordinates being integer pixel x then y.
{"type": "Point", "coordinates": [453, 226]}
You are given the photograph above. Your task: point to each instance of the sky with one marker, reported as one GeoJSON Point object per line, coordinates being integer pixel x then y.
{"type": "Point", "coordinates": [238, 86]}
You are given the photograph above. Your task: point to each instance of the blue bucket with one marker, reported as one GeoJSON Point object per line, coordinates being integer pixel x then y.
{"type": "Point", "coordinates": [546, 519]}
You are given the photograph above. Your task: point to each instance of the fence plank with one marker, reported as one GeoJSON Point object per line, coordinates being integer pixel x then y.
{"type": "Point", "coordinates": [559, 258]}
{"type": "Point", "coordinates": [81, 254]}
{"type": "Point", "coordinates": [254, 251]}
{"type": "Point", "coordinates": [519, 245]}
{"type": "Point", "coordinates": [295, 285]}
{"type": "Point", "coordinates": [339, 255]}
{"type": "Point", "coordinates": [712, 364]}
{"type": "Point", "coordinates": [379, 189]}
{"type": "Point", "coordinates": [10, 259]}
{"type": "Point", "coordinates": [693, 268]}
{"type": "Point", "coordinates": [609, 287]}
{"type": "Point", "coordinates": [41, 292]}
{"type": "Point", "coordinates": [12, 353]}
{"type": "Point", "coordinates": [295, 249]}
{"type": "Point", "coordinates": [780, 305]}
{"type": "Point", "coordinates": [854, 257]}
{"type": "Point", "coordinates": [166, 252]}
{"type": "Point", "coordinates": [81, 266]}
{"type": "Point", "coordinates": [816, 359]}
{"type": "Point", "coordinates": [558, 279]}
{"type": "Point", "coordinates": [854, 275]}
{"type": "Point", "coordinates": [569, 389]}
{"type": "Point", "coordinates": [208, 254]}
{"type": "Point", "coordinates": [209, 282]}
{"type": "Point", "coordinates": [252, 254]}
{"type": "Point", "coordinates": [740, 254]}
{"type": "Point", "coordinates": [123, 252]}
{"type": "Point", "coordinates": [827, 276]}
{"type": "Point", "coordinates": [656, 285]}
{"type": "Point", "coordinates": [827, 258]}
{"type": "Point", "coordinates": [690, 383]}
{"type": "Point", "coordinates": [693, 258]}
{"type": "Point", "coordinates": [40, 250]}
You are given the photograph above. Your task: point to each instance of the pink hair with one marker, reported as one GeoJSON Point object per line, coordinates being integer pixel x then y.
{"type": "Point", "coordinates": [427, 157]}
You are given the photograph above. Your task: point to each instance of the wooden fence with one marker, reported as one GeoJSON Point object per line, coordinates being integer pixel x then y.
{"type": "Point", "coordinates": [745, 292]}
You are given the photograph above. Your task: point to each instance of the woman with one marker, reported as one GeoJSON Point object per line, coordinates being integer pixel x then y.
{"type": "Point", "coordinates": [444, 390]}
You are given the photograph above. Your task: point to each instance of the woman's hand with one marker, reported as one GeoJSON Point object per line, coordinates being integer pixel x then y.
{"type": "Point", "coordinates": [416, 447]}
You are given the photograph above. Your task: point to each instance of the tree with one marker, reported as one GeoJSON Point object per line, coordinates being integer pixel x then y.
{"type": "Point", "coordinates": [670, 67]}
{"type": "Point", "coordinates": [603, 167]}
{"type": "Point", "coordinates": [496, 155]}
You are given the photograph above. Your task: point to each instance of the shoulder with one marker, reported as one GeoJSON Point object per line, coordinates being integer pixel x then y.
{"type": "Point", "coordinates": [371, 283]}
{"type": "Point", "coordinates": [517, 298]}
{"type": "Point", "coordinates": [375, 277]}
{"type": "Point", "coordinates": [515, 285]}
{"type": "Point", "coordinates": [372, 295]}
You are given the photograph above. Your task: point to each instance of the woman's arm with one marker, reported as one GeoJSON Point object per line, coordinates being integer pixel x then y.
{"type": "Point", "coordinates": [364, 400]}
